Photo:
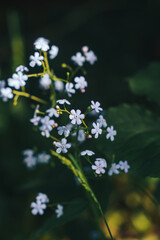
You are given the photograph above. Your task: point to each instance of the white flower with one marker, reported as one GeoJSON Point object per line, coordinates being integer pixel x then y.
{"type": "Point", "coordinates": [102, 161]}
{"type": "Point", "coordinates": [87, 152]}
{"type": "Point", "coordinates": [76, 116]}
{"type": "Point", "coordinates": [36, 59]}
{"type": "Point", "coordinates": [35, 120]}
{"type": "Point", "coordinates": [69, 88]}
{"type": "Point", "coordinates": [6, 93]}
{"type": "Point", "coordinates": [114, 169]}
{"type": "Point", "coordinates": [63, 101]}
{"type": "Point", "coordinates": [28, 152]}
{"type": "Point", "coordinates": [45, 133]}
{"type": "Point", "coordinates": [91, 57]}
{"type": "Point", "coordinates": [96, 106]}
{"type": "Point", "coordinates": [17, 80]}
{"type": "Point", "coordinates": [52, 112]}
{"type": "Point", "coordinates": [53, 52]}
{"type": "Point", "coordinates": [59, 85]}
{"type": "Point", "coordinates": [62, 146]}
{"type": "Point", "coordinates": [30, 161]}
{"type": "Point", "coordinates": [81, 136]}
{"type": "Point", "coordinates": [102, 122]}
{"type": "Point", "coordinates": [78, 59]}
{"type": "Point", "coordinates": [22, 68]}
{"type": "Point", "coordinates": [124, 166]}
{"type": "Point", "coordinates": [42, 44]}
{"type": "Point", "coordinates": [98, 167]}
{"type": "Point", "coordinates": [46, 127]}
{"type": "Point", "coordinates": [42, 197]}
{"type": "Point", "coordinates": [81, 83]}
{"type": "Point", "coordinates": [38, 208]}
{"type": "Point", "coordinates": [96, 130]}
{"type": "Point", "coordinates": [45, 81]}
{"type": "Point", "coordinates": [43, 157]}
{"type": "Point", "coordinates": [64, 130]}
{"type": "Point", "coordinates": [111, 133]}
{"type": "Point", "coordinates": [59, 210]}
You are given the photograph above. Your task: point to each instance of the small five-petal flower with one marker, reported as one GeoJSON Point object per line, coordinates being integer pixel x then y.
{"type": "Point", "coordinates": [62, 146]}
{"type": "Point", "coordinates": [76, 116]}
{"type": "Point", "coordinates": [96, 129]}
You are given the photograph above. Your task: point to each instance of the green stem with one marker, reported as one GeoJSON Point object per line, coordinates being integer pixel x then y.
{"type": "Point", "coordinates": [74, 73]}
{"type": "Point", "coordinates": [92, 195]}
{"type": "Point", "coordinates": [73, 165]}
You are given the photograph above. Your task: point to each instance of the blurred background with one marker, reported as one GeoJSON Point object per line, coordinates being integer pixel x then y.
{"type": "Point", "coordinates": [125, 36]}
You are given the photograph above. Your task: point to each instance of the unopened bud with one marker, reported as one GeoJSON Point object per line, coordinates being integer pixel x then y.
{"type": "Point", "coordinates": [85, 49]}
{"type": "Point", "coordinates": [56, 124]}
{"type": "Point", "coordinates": [89, 136]}
{"type": "Point", "coordinates": [63, 65]}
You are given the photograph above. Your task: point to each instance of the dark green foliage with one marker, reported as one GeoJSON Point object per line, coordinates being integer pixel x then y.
{"type": "Point", "coordinates": [147, 82]}
{"type": "Point", "coordinates": [72, 210]}
{"type": "Point", "coordinates": [137, 140]}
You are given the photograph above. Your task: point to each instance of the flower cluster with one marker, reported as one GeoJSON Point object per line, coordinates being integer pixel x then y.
{"type": "Point", "coordinates": [99, 165]}
{"type": "Point", "coordinates": [115, 168]}
{"type": "Point", "coordinates": [64, 124]}
{"type": "Point", "coordinates": [86, 56]}
{"type": "Point", "coordinates": [31, 159]}
{"type": "Point", "coordinates": [20, 78]}
{"type": "Point", "coordinates": [40, 204]}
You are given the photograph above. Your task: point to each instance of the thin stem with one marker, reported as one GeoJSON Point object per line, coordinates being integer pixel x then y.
{"type": "Point", "coordinates": [36, 75]}
{"type": "Point", "coordinates": [74, 72]}
{"type": "Point", "coordinates": [104, 219]}
{"type": "Point", "coordinates": [75, 168]}
{"type": "Point", "coordinates": [39, 112]}
{"type": "Point", "coordinates": [58, 79]}
{"type": "Point", "coordinates": [57, 140]}
{"type": "Point", "coordinates": [98, 204]}
{"type": "Point", "coordinates": [23, 88]}
{"type": "Point", "coordinates": [15, 100]}
{"type": "Point", "coordinates": [24, 94]}
{"type": "Point", "coordinates": [84, 123]}
{"type": "Point", "coordinates": [63, 203]}
{"type": "Point", "coordinates": [46, 62]}
{"type": "Point", "coordinates": [53, 95]}
{"type": "Point", "coordinates": [64, 65]}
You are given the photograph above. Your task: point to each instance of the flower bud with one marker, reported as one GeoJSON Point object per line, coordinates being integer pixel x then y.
{"type": "Point", "coordinates": [85, 49]}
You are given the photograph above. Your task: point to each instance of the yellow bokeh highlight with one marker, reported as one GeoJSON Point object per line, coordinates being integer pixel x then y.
{"type": "Point", "coordinates": [141, 222]}
{"type": "Point", "coordinates": [133, 199]}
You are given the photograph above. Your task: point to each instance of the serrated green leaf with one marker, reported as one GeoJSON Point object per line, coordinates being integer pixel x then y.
{"type": "Point", "coordinates": [147, 82]}
{"type": "Point", "coordinates": [137, 140]}
{"type": "Point", "coordinates": [71, 211]}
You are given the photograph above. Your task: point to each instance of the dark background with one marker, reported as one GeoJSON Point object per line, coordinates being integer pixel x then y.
{"type": "Point", "coordinates": [125, 36]}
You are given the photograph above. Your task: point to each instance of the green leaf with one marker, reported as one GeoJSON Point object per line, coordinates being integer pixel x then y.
{"type": "Point", "coordinates": [147, 82]}
{"type": "Point", "coordinates": [71, 211]}
{"type": "Point", "coordinates": [137, 140]}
